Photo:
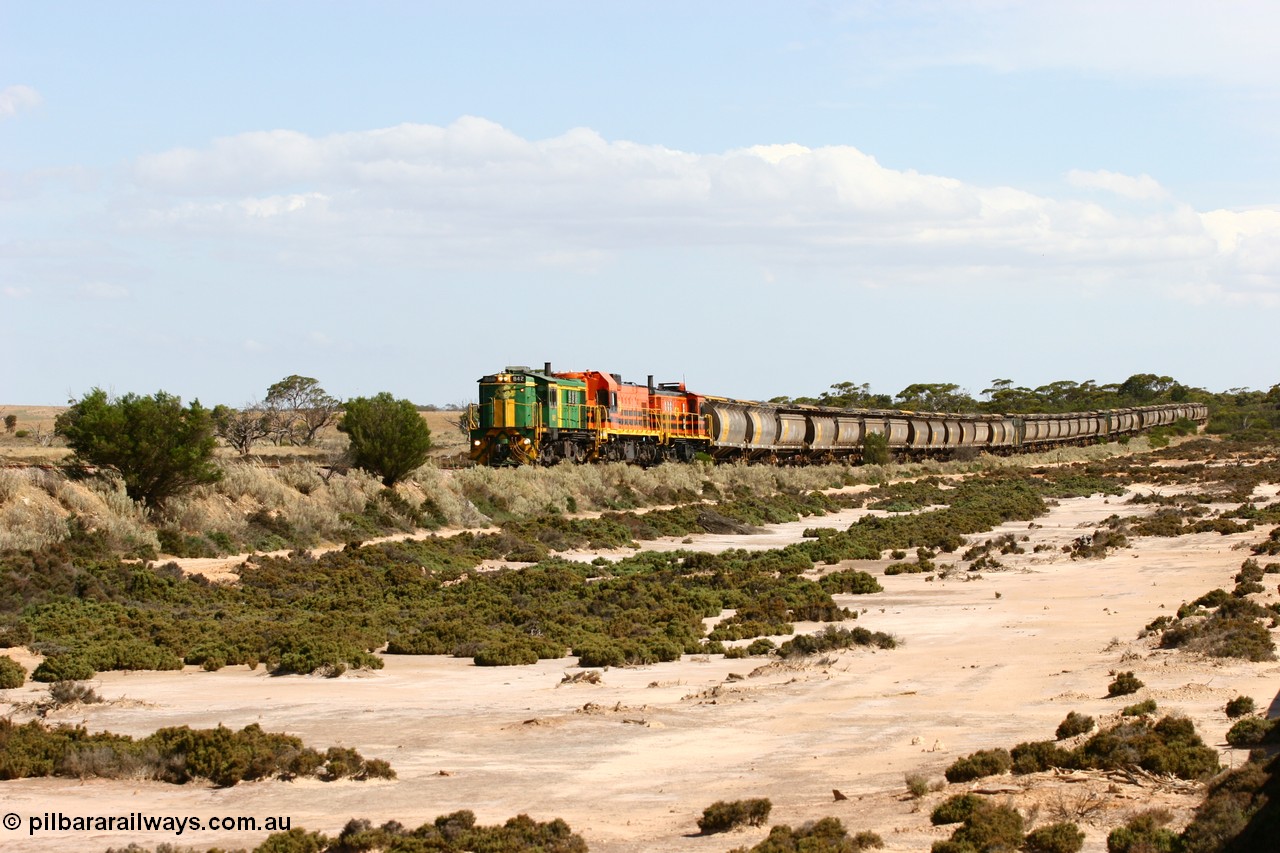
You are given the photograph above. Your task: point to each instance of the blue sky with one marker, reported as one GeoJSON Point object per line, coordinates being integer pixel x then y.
{"type": "Point", "coordinates": [760, 198]}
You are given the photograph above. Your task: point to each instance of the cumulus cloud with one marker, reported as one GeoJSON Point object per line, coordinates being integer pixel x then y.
{"type": "Point", "coordinates": [476, 193]}
{"type": "Point", "coordinates": [15, 99]}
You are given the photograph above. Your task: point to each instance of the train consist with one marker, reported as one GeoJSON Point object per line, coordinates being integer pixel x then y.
{"type": "Point", "coordinates": [528, 416]}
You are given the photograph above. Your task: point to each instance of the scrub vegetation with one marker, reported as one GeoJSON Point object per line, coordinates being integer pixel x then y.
{"type": "Point", "coordinates": [220, 756]}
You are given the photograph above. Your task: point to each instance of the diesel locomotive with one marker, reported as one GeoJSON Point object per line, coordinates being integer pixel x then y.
{"type": "Point", "coordinates": [527, 416]}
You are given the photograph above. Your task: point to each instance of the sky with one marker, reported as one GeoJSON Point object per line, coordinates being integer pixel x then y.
{"type": "Point", "coordinates": [757, 198]}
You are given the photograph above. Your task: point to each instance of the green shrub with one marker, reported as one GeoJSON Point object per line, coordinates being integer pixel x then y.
{"type": "Point", "coordinates": [984, 762]}
{"type": "Point", "coordinates": [594, 654]}
{"type": "Point", "coordinates": [831, 638]}
{"type": "Point", "coordinates": [12, 673]}
{"type": "Point", "coordinates": [989, 827]}
{"type": "Point", "coordinates": [1145, 707]}
{"type": "Point", "coordinates": [1240, 706]}
{"type": "Point", "coordinates": [722, 816]}
{"type": "Point", "coordinates": [1249, 732]}
{"type": "Point", "coordinates": [955, 809]}
{"type": "Point", "coordinates": [827, 835]}
{"type": "Point", "coordinates": [1124, 684]}
{"type": "Point", "coordinates": [761, 646]}
{"type": "Point", "coordinates": [1037, 756]}
{"type": "Point", "coordinates": [1145, 833]}
{"type": "Point", "coordinates": [63, 668]}
{"type": "Point", "coordinates": [506, 654]}
{"type": "Point", "coordinates": [1055, 838]}
{"type": "Point", "coordinates": [1074, 724]}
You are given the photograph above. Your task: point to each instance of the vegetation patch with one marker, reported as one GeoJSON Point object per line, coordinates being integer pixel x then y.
{"type": "Point", "coordinates": [452, 833]}
{"type": "Point", "coordinates": [723, 815]}
{"type": "Point", "coordinates": [178, 755]}
{"type": "Point", "coordinates": [827, 835]}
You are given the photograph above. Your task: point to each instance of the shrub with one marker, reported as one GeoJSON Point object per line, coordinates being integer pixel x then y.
{"type": "Point", "coordinates": [1139, 709]}
{"type": "Point", "coordinates": [63, 668]}
{"type": "Point", "coordinates": [1124, 684]}
{"type": "Point", "coordinates": [721, 816]}
{"type": "Point", "coordinates": [761, 646]}
{"type": "Point", "coordinates": [989, 827]}
{"type": "Point", "coordinates": [1251, 731]}
{"type": "Point", "coordinates": [827, 835]}
{"type": "Point", "coordinates": [70, 692]}
{"type": "Point", "coordinates": [1040, 755]}
{"type": "Point", "coordinates": [917, 784]}
{"type": "Point", "coordinates": [12, 673]}
{"type": "Point", "coordinates": [1055, 838]}
{"type": "Point", "coordinates": [160, 448]}
{"type": "Point", "coordinates": [506, 654]}
{"type": "Point", "coordinates": [955, 809]}
{"type": "Point", "coordinates": [1144, 833]}
{"type": "Point", "coordinates": [1074, 724]}
{"type": "Point", "coordinates": [984, 762]}
{"type": "Point", "coordinates": [1240, 706]}
{"type": "Point", "coordinates": [388, 436]}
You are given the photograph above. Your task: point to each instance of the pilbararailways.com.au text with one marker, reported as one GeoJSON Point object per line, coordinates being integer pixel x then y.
{"type": "Point", "coordinates": [139, 822]}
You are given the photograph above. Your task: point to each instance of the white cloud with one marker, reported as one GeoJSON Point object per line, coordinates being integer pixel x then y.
{"type": "Point", "coordinates": [13, 292]}
{"type": "Point", "coordinates": [475, 194]}
{"type": "Point", "coordinates": [1143, 187]}
{"type": "Point", "coordinates": [15, 99]}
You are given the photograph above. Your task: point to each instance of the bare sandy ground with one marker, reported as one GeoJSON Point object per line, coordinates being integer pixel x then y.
{"type": "Point", "coordinates": [630, 763]}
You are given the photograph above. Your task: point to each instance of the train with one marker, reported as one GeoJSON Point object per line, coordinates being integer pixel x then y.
{"type": "Point", "coordinates": [527, 416]}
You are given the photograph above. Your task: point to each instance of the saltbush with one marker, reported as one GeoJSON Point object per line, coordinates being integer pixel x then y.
{"type": "Point", "coordinates": [722, 816]}
{"type": "Point", "coordinates": [1074, 724]}
{"type": "Point", "coordinates": [984, 762]}
{"type": "Point", "coordinates": [955, 809]}
{"type": "Point", "coordinates": [1054, 838]}
{"type": "Point", "coordinates": [12, 673]}
{"type": "Point", "coordinates": [1240, 706]}
{"type": "Point", "coordinates": [1124, 684]}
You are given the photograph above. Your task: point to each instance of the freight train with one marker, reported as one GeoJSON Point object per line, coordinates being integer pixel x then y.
{"type": "Point", "coordinates": [527, 416]}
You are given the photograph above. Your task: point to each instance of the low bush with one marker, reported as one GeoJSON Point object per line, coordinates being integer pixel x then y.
{"type": "Point", "coordinates": [955, 809]}
{"type": "Point", "coordinates": [451, 833]}
{"type": "Point", "coordinates": [12, 673]}
{"type": "Point", "coordinates": [1124, 684]}
{"type": "Point", "coordinates": [1054, 838]}
{"type": "Point", "coordinates": [1240, 706]}
{"type": "Point", "coordinates": [1145, 833]}
{"type": "Point", "coordinates": [989, 827]}
{"type": "Point", "coordinates": [984, 762]}
{"type": "Point", "coordinates": [1074, 724]}
{"type": "Point", "coordinates": [722, 815]}
{"type": "Point", "coordinates": [1250, 732]}
{"type": "Point", "coordinates": [827, 835]}
{"type": "Point", "coordinates": [1139, 709]}
{"type": "Point", "coordinates": [831, 638]}
{"type": "Point", "coordinates": [1040, 755]}
{"type": "Point", "coordinates": [177, 755]}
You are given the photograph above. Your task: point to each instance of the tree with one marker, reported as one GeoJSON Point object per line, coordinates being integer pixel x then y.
{"type": "Point", "coordinates": [10, 422]}
{"type": "Point", "coordinates": [301, 408]}
{"type": "Point", "coordinates": [159, 447]}
{"type": "Point", "coordinates": [242, 428]}
{"type": "Point", "coordinates": [388, 436]}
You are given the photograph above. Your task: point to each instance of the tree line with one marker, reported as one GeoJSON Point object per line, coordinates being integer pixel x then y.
{"type": "Point", "coordinates": [1237, 410]}
{"type": "Point", "coordinates": [162, 448]}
